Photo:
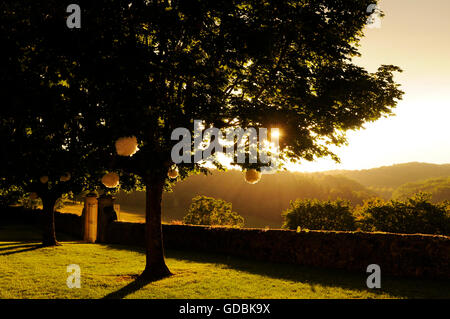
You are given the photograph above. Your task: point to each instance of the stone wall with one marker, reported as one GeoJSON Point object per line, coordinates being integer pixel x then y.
{"type": "Point", "coordinates": [397, 254]}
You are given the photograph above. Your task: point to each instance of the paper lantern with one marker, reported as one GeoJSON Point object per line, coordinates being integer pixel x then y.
{"type": "Point", "coordinates": [126, 146]}
{"type": "Point", "coordinates": [252, 176]}
{"type": "Point", "coordinates": [110, 180]}
{"type": "Point", "coordinates": [65, 178]}
{"type": "Point", "coordinates": [33, 196]}
{"type": "Point", "coordinates": [44, 179]}
{"type": "Point", "coordinates": [172, 173]}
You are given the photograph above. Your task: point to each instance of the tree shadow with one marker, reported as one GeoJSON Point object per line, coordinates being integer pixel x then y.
{"type": "Point", "coordinates": [399, 286]}
{"type": "Point", "coordinates": [403, 287]}
{"type": "Point", "coordinates": [28, 237]}
{"type": "Point", "coordinates": [16, 245]}
{"type": "Point", "coordinates": [13, 249]}
{"type": "Point", "coordinates": [138, 283]}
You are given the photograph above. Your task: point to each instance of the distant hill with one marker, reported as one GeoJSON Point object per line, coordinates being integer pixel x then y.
{"type": "Point", "coordinates": [439, 188]}
{"type": "Point", "coordinates": [395, 175]}
{"type": "Point", "coordinates": [260, 204]}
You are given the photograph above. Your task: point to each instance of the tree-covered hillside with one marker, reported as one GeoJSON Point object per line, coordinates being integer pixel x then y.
{"type": "Point", "coordinates": [439, 188]}
{"type": "Point", "coordinates": [384, 180]}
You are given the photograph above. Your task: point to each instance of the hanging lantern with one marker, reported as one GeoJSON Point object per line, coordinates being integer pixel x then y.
{"type": "Point", "coordinates": [252, 176]}
{"type": "Point", "coordinates": [33, 196]}
{"type": "Point", "coordinates": [44, 179]}
{"type": "Point", "coordinates": [172, 173]}
{"type": "Point", "coordinates": [126, 146]}
{"type": "Point", "coordinates": [65, 178]}
{"type": "Point", "coordinates": [110, 180]}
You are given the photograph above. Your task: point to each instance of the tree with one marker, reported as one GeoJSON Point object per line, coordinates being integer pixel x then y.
{"type": "Point", "coordinates": [162, 64]}
{"type": "Point", "coordinates": [43, 148]}
{"type": "Point", "coordinates": [43, 153]}
{"type": "Point", "coordinates": [150, 67]}
{"type": "Point", "coordinates": [9, 194]}
{"type": "Point", "coordinates": [319, 215]}
{"type": "Point", "coordinates": [211, 211]}
{"type": "Point", "coordinates": [416, 214]}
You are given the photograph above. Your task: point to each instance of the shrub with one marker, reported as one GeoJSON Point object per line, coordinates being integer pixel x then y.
{"type": "Point", "coordinates": [211, 211]}
{"type": "Point", "coordinates": [413, 215]}
{"type": "Point", "coordinates": [9, 195]}
{"type": "Point", "coordinates": [319, 215]}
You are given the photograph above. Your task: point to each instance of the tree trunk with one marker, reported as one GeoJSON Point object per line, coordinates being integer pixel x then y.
{"type": "Point", "coordinates": [155, 267]}
{"type": "Point", "coordinates": [49, 235]}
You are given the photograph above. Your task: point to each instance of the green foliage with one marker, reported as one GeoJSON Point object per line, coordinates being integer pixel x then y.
{"type": "Point", "coordinates": [31, 203]}
{"type": "Point", "coordinates": [160, 65]}
{"type": "Point", "coordinates": [212, 211]}
{"type": "Point", "coordinates": [319, 215]}
{"type": "Point", "coordinates": [9, 194]}
{"type": "Point", "coordinates": [414, 215]}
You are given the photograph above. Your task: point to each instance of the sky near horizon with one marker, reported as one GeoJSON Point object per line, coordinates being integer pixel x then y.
{"type": "Point", "coordinates": [414, 35]}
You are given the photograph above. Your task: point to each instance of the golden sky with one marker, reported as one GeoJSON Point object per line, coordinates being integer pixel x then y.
{"type": "Point", "coordinates": [414, 35]}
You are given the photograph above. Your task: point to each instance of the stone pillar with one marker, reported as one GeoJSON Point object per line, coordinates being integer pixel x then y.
{"type": "Point", "coordinates": [117, 210]}
{"type": "Point", "coordinates": [106, 215]}
{"type": "Point", "coordinates": [90, 218]}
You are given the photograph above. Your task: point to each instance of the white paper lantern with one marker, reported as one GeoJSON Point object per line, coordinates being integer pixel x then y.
{"type": "Point", "coordinates": [172, 173]}
{"type": "Point", "coordinates": [44, 179]}
{"type": "Point", "coordinates": [252, 176]}
{"type": "Point", "coordinates": [110, 180]}
{"type": "Point", "coordinates": [126, 146]}
{"type": "Point", "coordinates": [65, 178]}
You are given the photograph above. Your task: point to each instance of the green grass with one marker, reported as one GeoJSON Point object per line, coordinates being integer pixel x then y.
{"type": "Point", "coordinates": [30, 271]}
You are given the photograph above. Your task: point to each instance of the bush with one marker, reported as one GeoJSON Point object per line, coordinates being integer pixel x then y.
{"type": "Point", "coordinates": [211, 211]}
{"type": "Point", "coordinates": [9, 195]}
{"type": "Point", "coordinates": [414, 215]}
{"type": "Point", "coordinates": [319, 215]}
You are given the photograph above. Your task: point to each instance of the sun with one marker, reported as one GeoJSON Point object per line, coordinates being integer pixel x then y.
{"type": "Point", "coordinates": [275, 133]}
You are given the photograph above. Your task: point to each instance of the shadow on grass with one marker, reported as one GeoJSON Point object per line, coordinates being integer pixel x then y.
{"type": "Point", "coordinates": [23, 236]}
{"type": "Point", "coordinates": [138, 283]}
{"type": "Point", "coordinates": [13, 249]}
{"type": "Point", "coordinates": [402, 287]}
{"type": "Point", "coordinates": [17, 245]}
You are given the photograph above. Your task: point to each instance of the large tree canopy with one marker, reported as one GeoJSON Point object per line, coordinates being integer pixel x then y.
{"type": "Point", "coordinates": [144, 68]}
{"type": "Point", "coordinates": [44, 148]}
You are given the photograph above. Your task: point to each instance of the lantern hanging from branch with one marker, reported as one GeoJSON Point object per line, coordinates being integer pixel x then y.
{"type": "Point", "coordinates": [173, 173]}
{"type": "Point", "coordinates": [110, 180]}
{"type": "Point", "coordinates": [126, 146]}
{"type": "Point", "coordinates": [252, 176]}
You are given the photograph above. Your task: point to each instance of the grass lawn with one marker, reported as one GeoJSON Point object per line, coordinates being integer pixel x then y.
{"type": "Point", "coordinates": [110, 271]}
